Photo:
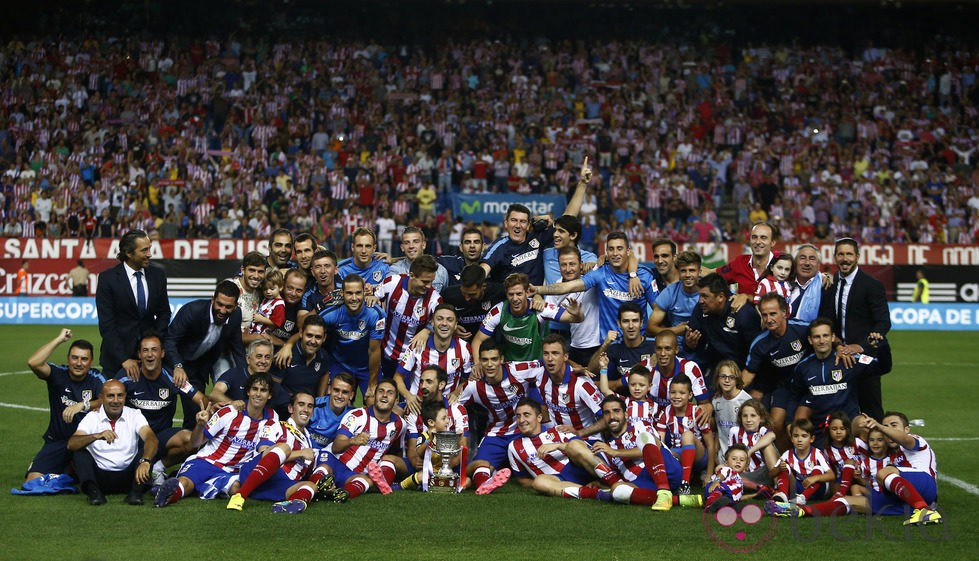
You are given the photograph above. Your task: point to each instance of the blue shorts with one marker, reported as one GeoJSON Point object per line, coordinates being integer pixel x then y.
{"type": "Point", "coordinates": [822, 493]}
{"type": "Point", "coordinates": [163, 437]}
{"type": "Point", "coordinates": [199, 471]}
{"type": "Point", "coordinates": [53, 457]}
{"type": "Point", "coordinates": [341, 473]}
{"type": "Point", "coordinates": [272, 489]}
{"type": "Point", "coordinates": [782, 397]}
{"type": "Point", "coordinates": [887, 503]}
{"type": "Point", "coordinates": [493, 449]}
{"type": "Point", "coordinates": [573, 473]}
{"type": "Point", "coordinates": [698, 465]}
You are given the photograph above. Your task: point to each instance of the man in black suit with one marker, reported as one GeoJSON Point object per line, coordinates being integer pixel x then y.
{"type": "Point", "coordinates": [131, 300]}
{"type": "Point", "coordinates": [857, 304]}
{"type": "Point", "coordinates": [200, 333]}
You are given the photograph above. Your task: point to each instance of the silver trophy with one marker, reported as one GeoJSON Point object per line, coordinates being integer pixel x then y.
{"type": "Point", "coordinates": [446, 444]}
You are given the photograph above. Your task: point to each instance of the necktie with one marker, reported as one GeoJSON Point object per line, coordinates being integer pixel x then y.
{"type": "Point", "coordinates": [140, 293]}
{"type": "Point", "coordinates": [839, 303]}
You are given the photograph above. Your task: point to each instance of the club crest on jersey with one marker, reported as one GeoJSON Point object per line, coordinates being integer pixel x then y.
{"type": "Point", "coordinates": [361, 325]}
{"type": "Point", "coordinates": [164, 393]}
{"type": "Point", "coordinates": [796, 345]}
{"type": "Point", "coordinates": [837, 375]}
{"type": "Point", "coordinates": [487, 305]}
{"type": "Point", "coordinates": [419, 309]}
{"type": "Point", "coordinates": [510, 390]}
{"type": "Point", "coordinates": [86, 395]}
{"type": "Point", "coordinates": [534, 243]}
{"type": "Point", "coordinates": [563, 396]}
{"type": "Point", "coordinates": [377, 276]}
{"type": "Point", "coordinates": [729, 322]}
{"type": "Point", "coordinates": [455, 363]}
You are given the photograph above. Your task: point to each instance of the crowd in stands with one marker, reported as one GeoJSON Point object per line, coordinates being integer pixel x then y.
{"type": "Point", "coordinates": [228, 137]}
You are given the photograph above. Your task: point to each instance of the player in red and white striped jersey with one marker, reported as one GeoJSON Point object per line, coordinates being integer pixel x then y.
{"type": "Point", "coordinates": [232, 438]}
{"type": "Point", "coordinates": [571, 399]}
{"type": "Point", "coordinates": [498, 392]}
{"type": "Point", "coordinates": [287, 459]}
{"type": "Point", "coordinates": [665, 365]}
{"type": "Point", "coordinates": [443, 348]}
{"type": "Point", "coordinates": [409, 302]}
{"type": "Point", "coordinates": [554, 462]}
{"type": "Point", "coordinates": [432, 380]}
{"type": "Point", "coordinates": [639, 406]}
{"type": "Point", "coordinates": [363, 440]}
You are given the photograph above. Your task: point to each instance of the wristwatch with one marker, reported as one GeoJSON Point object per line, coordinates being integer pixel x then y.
{"type": "Point", "coordinates": [178, 365]}
{"type": "Point", "coordinates": [145, 461]}
{"type": "Point", "coordinates": [633, 275]}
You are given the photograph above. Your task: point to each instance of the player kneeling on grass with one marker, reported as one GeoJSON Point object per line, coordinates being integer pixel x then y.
{"type": "Point", "coordinates": [648, 469]}
{"type": "Point", "coordinates": [288, 457]}
{"type": "Point", "coordinates": [229, 437]}
{"type": "Point", "coordinates": [901, 475]}
{"type": "Point", "coordinates": [435, 415]}
{"type": "Point", "coordinates": [691, 441]}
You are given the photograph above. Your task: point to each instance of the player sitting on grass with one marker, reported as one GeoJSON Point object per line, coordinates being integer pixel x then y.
{"type": "Point", "coordinates": [232, 438]}
{"type": "Point", "coordinates": [843, 452]}
{"type": "Point", "coordinates": [803, 471]}
{"type": "Point", "coordinates": [277, 475]}
{"type": "Point", "coordinates": [648, 469]}
{"type": "Point", "coordinates": [726, 488]}
{"type": "Point", "coordinates": [692, 442]}
{"type": "Point", "coordinates": [435, 415]}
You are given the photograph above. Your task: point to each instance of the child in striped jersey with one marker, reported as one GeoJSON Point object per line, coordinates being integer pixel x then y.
{"type": "Point", "coordinates": [843, 451]}
{"type": "Point", "coordinates": [754, 432]}
{"type": "Point", "coordinates": [729, 395]}
{"type": "Point", "coordinates": [726, 487]}
{"type": "Point", "coordinates": [777, 278]}
{"type": "Point", "coordinates": [803, 469]}
{"type": "Point", "coordinates": [640, 408]}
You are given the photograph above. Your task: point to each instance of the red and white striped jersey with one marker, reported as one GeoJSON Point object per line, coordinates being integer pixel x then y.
{"type": "Point", "coordinates": [671, 425]}
{"type": "Point", "coordinates": [630, 469]}
{"type": "Point", "coordinates": [524, 458]}
{"type": "Point", "coordinates": [296, 438]}
{"type": "Point", "coordinates": [766, 285]}
{"type": "Point", "coordinates": [458, 421]}
{"type": "Point", "coordinates": [813, 463]}
{"type": "Point", "coordinates": [500, 401]}
{"type": "Point", "coordinates": [920, 458]}
{"type": "Point", "coordinates": [641, 411]}
{"type": "Point", "coordinates": [659, 390]}
{"type": "Point", "coordinates": [739, 435]}
{"type": "Point", "coordinates": [233, 437]}
{"type": "Point", "coordinates": [869, 466]}
{"type": "Point", "coordinates": [574, 401]}
{"type": "Point", "coordinates": [382, 436]}
{"type": "Point", "coordinates": [406, 314]}
{"type": "Point", "coordinates": [456, 361]}
{"type": "Point", "coordinates": [730, 480]}
{"type": "Point", "coordinates": [837, 457]}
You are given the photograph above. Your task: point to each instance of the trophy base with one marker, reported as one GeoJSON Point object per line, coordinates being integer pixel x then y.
{"type": "Point", "coordinates": [443, 484]}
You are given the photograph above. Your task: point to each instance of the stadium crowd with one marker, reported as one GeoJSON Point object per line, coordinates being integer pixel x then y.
{"type": "Point", "coordinates": [233, 138]}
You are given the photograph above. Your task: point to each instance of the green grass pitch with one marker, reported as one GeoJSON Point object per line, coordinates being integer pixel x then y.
{"type": "Point", "coordinates": [933, 379]}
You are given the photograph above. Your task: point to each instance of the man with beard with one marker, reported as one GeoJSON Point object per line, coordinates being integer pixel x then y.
{"type": "Point", "coordinates": [355, 332]}
{"type": "Point", "coordinates": [280, 250]}
{"type": "Point", "coordinates": [200, 333]}
{"type": "Point", "coordinates": [442, 349]}
{"type": "Point", "coordinates": [470, 253]}
{"type": "Point", "coordinates": [472, 298]}
{"type": "Point", "coordinates": [305, 245]}
{"type": "Point", "coordinates": [431, 389]}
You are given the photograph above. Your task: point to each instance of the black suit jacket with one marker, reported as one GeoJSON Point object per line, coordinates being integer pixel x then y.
{"type": "Point", "coordinates": [866, 308]}
{"type": "Point", "coordinates": [120, 323]}
{"type": "Point", "coordinates": [188, 330]}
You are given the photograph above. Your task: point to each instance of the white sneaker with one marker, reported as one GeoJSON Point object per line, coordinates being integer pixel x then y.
{"type": "Point", "coordinates": [799, 500]}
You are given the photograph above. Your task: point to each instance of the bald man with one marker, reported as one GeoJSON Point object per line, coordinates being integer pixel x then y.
{"type": "Point", "coordinates": [113, 449]}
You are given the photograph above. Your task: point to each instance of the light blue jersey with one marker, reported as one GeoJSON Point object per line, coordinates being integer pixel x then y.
{"type": "Point", "coordinates": [373, 274]}
{"type": "Point", "coordinates": [349, 336]}
{"type": "Point", "coordinates": [613, 290]}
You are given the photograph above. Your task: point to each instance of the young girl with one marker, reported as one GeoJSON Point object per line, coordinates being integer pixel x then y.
{"type": "Point", "coordinates": [754, 432]}
{"type": "Point", "coordinates": [640, 408]}
{"type": "Point", "coordinates": [778, 278]}
{"type": "Point", "coordinates": [843, 452]}
{"type": "Point", "coordinates": [271, 312]}
{"type": "Point", "coordinates": [693, 443]}
{"type": "Point", "coordinates": [728, 397]}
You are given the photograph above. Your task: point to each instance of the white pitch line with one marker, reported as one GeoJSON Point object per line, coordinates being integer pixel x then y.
{"type": "Point", "coordinates": [953, 439]}
{"type": "Point", "coordinates": [19, 406]}
{"type": "Point", "coordinates": [939, 363]}
{"type": "Point", "coordinates": [967, 487]}
{"type": "Point", "coordinates": [15, 373]}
